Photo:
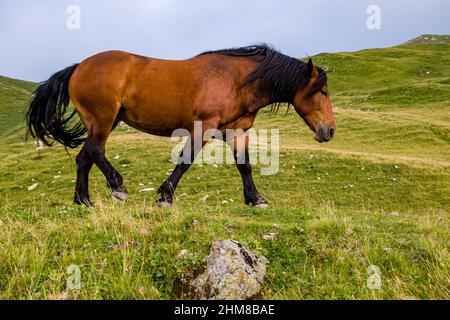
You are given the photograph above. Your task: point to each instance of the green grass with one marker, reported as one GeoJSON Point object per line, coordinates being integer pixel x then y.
{"type": "Point", "coordinates": [14, 95]}
{"type": "Point", "coordinates": [377, 194]}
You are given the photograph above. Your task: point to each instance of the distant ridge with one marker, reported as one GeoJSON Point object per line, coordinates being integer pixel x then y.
{"type": "Point", "coordinates": [429, 38]}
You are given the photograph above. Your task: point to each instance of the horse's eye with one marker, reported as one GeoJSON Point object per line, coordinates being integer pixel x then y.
{"type": "Point", "coordinates": [324, 92]}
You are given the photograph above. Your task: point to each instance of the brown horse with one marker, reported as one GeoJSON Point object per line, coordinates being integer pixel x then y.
{"type": "Point", "coordinates": [223, 89]}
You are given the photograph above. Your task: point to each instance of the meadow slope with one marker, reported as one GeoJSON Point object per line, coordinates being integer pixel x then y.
{"type": "Point", "coordinates": [377, 195]}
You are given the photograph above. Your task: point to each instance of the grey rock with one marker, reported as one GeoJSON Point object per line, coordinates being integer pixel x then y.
{"type": "Point", "coordinates": [232, 273]}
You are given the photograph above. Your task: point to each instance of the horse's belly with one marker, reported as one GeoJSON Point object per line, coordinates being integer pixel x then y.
{"type": "Point", "coordinates": [154, 120]}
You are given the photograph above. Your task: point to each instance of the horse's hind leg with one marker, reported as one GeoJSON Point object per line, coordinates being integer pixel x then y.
{"type": "Point", "coordinates": [187, 157]}
{"type": "Point", "coordinates": [92, 152]}
{"type": "Point", "coordinates": [113, 178]}
{"type": "Point", "coordinates": [84, 165]}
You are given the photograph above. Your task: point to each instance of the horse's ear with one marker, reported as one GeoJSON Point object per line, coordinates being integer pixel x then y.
{"type": "Point", "coordinates": [310, 67]}
{"type": "Point", "coordinates": [312, 70]}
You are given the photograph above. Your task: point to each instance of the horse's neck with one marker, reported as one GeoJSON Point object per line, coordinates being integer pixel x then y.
{"type": "Point", "coordinates": [260, 100]}
{"type": "Point", "coordinates": [257, 102]}
{"type": "Point", "coordinates": [271, 103]}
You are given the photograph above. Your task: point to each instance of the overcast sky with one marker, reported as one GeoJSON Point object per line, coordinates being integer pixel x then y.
{"type": "Point", "coordinates": [36, 42]}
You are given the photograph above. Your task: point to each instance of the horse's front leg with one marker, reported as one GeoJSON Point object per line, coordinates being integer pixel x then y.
{"type": "Point", "coordinates": [239, 145]}
{"type": "Point", "coordinates": [187, 157]}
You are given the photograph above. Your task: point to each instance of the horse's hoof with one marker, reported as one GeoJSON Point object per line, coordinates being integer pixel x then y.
{"type": "Point", "coordinates": [164, 204]}
{"type": "Point", "coordinates": [261, 204]}
{"type": "Point", "coordinates": [120, 195]}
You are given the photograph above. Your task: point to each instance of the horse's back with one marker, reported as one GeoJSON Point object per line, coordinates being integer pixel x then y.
{"type": "Point", "coordinates": [155, 95]}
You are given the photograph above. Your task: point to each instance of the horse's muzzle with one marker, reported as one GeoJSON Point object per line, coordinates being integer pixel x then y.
{"type": "Point", "coordinates": [325, 134]}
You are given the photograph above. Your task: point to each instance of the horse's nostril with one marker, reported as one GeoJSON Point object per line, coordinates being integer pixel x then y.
{"type": "Point", "coordinates": [332, 131]}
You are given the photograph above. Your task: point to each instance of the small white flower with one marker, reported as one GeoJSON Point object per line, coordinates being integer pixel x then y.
{"type": "Point", "coordinates": [183, 254]}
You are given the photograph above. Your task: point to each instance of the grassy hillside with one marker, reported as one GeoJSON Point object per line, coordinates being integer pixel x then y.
{"type": "Point", "coordinates": [14, 95]}
{"type": "Point", "coordinates": [378, 194]}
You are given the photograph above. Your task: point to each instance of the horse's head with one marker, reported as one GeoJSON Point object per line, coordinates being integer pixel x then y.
{"type": "Point", "coordinates": [313, 104]}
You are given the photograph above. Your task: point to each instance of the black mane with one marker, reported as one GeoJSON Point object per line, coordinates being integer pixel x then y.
{"type": "Point", "coordinates": [280, 75]}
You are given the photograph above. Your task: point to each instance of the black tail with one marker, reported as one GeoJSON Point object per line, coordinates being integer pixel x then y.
{"type": "Point", "coordinates": [46, 117]}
